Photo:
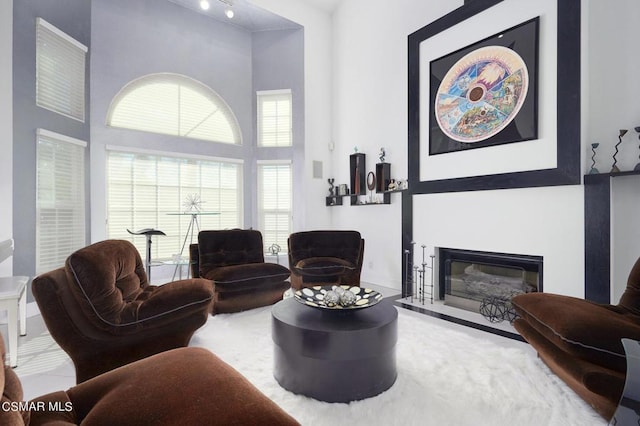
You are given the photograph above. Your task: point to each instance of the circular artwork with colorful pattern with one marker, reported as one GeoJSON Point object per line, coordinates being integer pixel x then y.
{"type": "Point", "coordinates": [481, 94]}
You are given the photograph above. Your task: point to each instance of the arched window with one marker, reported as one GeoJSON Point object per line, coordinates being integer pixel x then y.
{"type": "Point", "coordinates": [174, 104]}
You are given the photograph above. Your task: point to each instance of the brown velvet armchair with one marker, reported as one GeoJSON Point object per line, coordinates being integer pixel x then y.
{"type": "Point", "coordinates": [185, 386]}
{"type": "Point", "coordinates": [102, 311]}
{"type": "Point", "coordinates": [580, 341]}
{"type": "Point", "coordinates": [325, 257]}
{"type": "Point", "coordinates": [234, 260]}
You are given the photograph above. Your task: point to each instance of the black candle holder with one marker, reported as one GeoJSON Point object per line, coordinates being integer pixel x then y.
{"type": "Point", "coordinates": [614, 168]}
{"type": "Point", "coordinates": [593, 170]}
{"type": "Point", "coordinates": [416, 278]}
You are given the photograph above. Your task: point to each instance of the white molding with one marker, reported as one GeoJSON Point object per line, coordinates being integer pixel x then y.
{"type": "Point", "coordinates": [62, 34]}
{"type": "Point", "coordinates": [273, 92]}
{"type": "Point", "coordinates": [172, 154]}
{"type": "Point", "coordinates": [59, 137]}
{"type": "Point", "coordinates": [282, 161]}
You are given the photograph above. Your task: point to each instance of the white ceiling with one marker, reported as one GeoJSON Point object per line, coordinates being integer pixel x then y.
{"type": "Point", "coordinates": [327, 5]}
{"type": "Point", "coordinates": [251, 17]}
{"type": "Point", "coordinates": [247, 15]}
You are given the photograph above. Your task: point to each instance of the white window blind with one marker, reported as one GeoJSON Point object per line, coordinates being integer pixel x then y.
{"type": "Point", "coordinates": [146, 190]}
{"type": "Point", "coordinates": [60, 71]}
{"type": "Point", "coordinates": [274, 203]}
{"type": "Point", "coordinates": [177, 105]}
{"type": "Point", "coordinates": [274, 118]}
{"type": "Point", "coordinates": [60, 200]}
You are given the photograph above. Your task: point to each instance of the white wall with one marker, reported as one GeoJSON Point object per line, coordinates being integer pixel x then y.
{"type": "Point", "coordinates": [6, 126]}
{"type": "Point", "coordinates": [370, 111]}
{"type": "Point", "coordinates": [614, 88]}
{"type": "Point", "coordinates": [547, 222]}
{"type": "Point", "coordinates": [544, 222]}
{"type": "Point", "coordinates": [370, 92]}
{"type": "Point", "coordinates": [370, 86]}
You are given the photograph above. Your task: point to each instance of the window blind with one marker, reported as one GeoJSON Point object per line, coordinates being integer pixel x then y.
{"type": "Point", "coordinates": [60, 71]}
{"type": "Point", "coordinates": [147, 190]}
{"type": "Point", "coordinates": [274, 203]}
{"type": "Point", "coordinates": [60, 199]}
{"type": "Point", "coordinates": [177, 105]}
{"type": "Point", "coordinates": [274, 118]}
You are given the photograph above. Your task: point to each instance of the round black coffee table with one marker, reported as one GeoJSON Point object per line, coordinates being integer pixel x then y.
{"type": "Point", "coordinates": [334, 355]}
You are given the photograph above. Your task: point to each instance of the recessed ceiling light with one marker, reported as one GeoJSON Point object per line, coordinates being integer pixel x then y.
{"type": "Point", "coordinates": [204, 4]}
{"type": "Point", "coordinates": [229, 13]}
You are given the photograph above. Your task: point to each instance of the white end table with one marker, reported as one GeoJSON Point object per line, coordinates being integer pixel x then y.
{"type": "Point", "coordinates": [13, 299]}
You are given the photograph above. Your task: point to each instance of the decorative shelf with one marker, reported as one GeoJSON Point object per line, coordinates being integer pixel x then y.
{"type": "Point", "coordinates": [359, 184]}
{"type": "Point", "coordinates": [334, 200]}
{"type": "Point", "coordinates": [386, 199]}
{"type": "Point", "coordinates": [590, 178]}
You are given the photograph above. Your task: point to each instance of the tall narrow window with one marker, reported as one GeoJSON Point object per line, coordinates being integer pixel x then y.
{"type": "Point", "coordinates": [274, 118]}
{"type": "Point", "coordinates": [149, 190]}
{"type": "Point", "coordinates": [60, 71]}
{"type": "Point", "coordinates": [274, 202]}
{"type": "Point", "coordinates": [60, 200]}
{"type": "Point", "coordinates": [176, 105]}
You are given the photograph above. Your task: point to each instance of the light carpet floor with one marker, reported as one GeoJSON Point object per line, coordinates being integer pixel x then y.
{"type": "Point", "coordinates": [445, 377]}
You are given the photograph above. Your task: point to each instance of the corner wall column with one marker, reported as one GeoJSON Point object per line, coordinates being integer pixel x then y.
{"type": "Point", "coordinates": [597, 235]}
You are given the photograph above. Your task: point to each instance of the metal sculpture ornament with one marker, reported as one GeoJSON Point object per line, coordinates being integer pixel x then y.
{"type": "Point", "coordinates": [481, 94]}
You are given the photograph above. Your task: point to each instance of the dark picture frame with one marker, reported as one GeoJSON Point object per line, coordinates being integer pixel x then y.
{"type": "Point", "coordinates": [522, 39]}
{"type": "Point", "coordinates": [567, 170]}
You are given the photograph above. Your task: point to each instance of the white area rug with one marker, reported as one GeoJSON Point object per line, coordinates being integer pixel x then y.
{"type": "Point", "coordinates": [445, 377]}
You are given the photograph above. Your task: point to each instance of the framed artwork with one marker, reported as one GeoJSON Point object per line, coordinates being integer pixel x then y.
{"type": "Point", "coordinates": [529, 132]}
{"type": "Point", "coordinates": [487, 93]}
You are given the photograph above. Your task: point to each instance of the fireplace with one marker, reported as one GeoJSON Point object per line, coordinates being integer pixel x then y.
{"type": "Point", "coordinates": [468, 279]}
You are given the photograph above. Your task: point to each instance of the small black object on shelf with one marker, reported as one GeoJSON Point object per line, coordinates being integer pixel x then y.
{"type": "Point", "coordinates": [357, 168]}
{"type": "Point", "coordinates": [593, 170]}
{"type": "Point", "coordinates": [383, 176]}
{"type": "Point", "coordinates": [614, 168]}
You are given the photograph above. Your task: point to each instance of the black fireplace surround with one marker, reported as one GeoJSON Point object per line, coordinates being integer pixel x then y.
{"type": "Point", "coordinates": [448, 256]}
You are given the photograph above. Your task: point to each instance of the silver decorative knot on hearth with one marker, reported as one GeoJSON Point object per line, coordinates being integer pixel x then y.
{"type": "Point", "coordinates": [498, 309]}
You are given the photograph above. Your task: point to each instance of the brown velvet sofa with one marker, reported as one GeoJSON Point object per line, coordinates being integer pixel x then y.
{"type": "Point", "coordinates": [102, 311]}
{"type": "Point", "coordinates": [234, 260]}
{"type": "Point", "coordinates": [580, 341]}
{"type": "Point", "coordinates": [185, 386]}
{"type": "Point", "coordinates": [325, 257]}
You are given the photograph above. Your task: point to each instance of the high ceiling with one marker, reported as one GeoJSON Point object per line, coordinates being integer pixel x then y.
{"type": "Point", "coordinates": [249, 16]}
{"type": "Point", "coordinates": [327, 5]}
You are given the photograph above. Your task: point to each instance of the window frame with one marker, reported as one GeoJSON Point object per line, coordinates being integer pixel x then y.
{"type": "Point", "coordinates": [263, 96]}
{"type": "Point", "coordinates": [281, 236]}
{"type": "Point", "coordinates": [76, 203]}
{"type": "Point", "coordinates": [175, 112]}
{"type": "Point", "coordinates": [60, 81]}
{"type": "Point", "coordinates": [181, 231]}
